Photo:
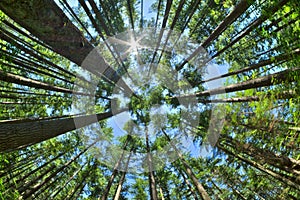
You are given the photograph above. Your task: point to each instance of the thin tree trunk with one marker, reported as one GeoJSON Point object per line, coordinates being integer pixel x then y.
{"type": "Point", "coordinates": [239, 194]}
{"type": "Point", "coordinates": [217, 187]}
{"type": "Point", "coordinates": [161, 194]}
{"type": "Point", "coordinates": [121, 181]}
{"type": "Point", "coordinates": [264, 156]}
{"type": "Point", "coordinates": [22, 189]}
{"type": "Point", "coordinates": [79, 187]}
{"type": "Point", "coordinates": [114, 173]}
{"type": "Point", "coordinates": [24, 66]}
{"type": "Point", "coordinates": [267, 80]}
{"type": "Point", "coordinates": [99, 17]}
{"type": "Point", "coordinates": [164, 23]}
{"type": "Point", "coordinates": [189, 171]}
{"type": "Point", "coordinates": [157, 14]}
{"type": "Point", "coordinates": [142, 14]}
{"type": "Point", "coordinates": [281, 95]}
{"type": "Point", "coordinates": [52, 175]}
{"type": "Point", "coordinates": [40, 58]}
{"type": "Point", "coordinates": [229, 19]}
{"type": "Point", "coordinates": [61, 187]}
{"type": "Point", "coordinates": [12, 78]}
{"type": "Point", "coordinates": [261, 168]}
{"type": "Point", "coordinates": [130, 13]}
{"type": "Point", "coordinates": [253, 25]}
{"type": "Point", "coordinates": [177, 13]}
{"type": "Point", "coordinates": [187, 182]}
{"type": "Point", "coordinates": [9, 175]}
{"type": "Point", "coordinates": [80, 191]}
{"type": "Point", "coordinates": [77, 19]}
{"type": "Point", "coordinates": [151, 176]}
{"type": "Point", "coordinates": [282, 57]}
{"type": "Point", "coordinates": [21, 180]}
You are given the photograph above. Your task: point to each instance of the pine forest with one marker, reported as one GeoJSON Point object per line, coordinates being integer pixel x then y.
{"type": "Point", "coordinates": [150, 99]}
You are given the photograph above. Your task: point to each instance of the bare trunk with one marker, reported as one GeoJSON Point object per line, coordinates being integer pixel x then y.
{"type": "Point", "coordinates": [12, 78]}
{"type": "Point", "coordinates": [121, 181]}
{"type": "Point", "coordinates": [267, 80]}
{"type": "Point", "coordinates": [151, 176]}
{"type": "Point", "coordinates": [282, 95]}
{"type": "Point", "coordinates": [18, 135]}
{"type": "Point", "coordinates": [114, 173]}
{"type": "Point", "coordinates": [189, 172]}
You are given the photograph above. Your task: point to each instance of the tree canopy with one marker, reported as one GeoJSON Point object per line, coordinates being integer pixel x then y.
{"type": "Point", "coordinates": [126, 99]}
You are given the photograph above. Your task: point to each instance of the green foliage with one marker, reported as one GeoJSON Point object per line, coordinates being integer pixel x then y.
{"type": "Point", "coordinates": [258, 144]}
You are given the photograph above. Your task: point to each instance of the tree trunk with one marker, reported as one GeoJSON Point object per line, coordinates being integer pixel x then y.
{"type": "Point", "coordinates": [114, 173]}
{"type": "Point", "coordinates": [48, 22]}
{"type": "Point", "coordinates": [189, 172]}
{"type": "Point", "coordinates": [253, 25]}
{"type": "Point", "coordinates": [229, 19]}
{"type": "Point", "coordinates": [53, 27]}
{"type": "Point", "coordinates": [21, 180]}
{"type": "Point", "coordinates": [39, 58]}
{"type": "Point", "coordinates": [61, 187]}
{"type": "Point", "coordinates": [53, 174]}
{"type": "Point", "coordinates": [151, 176]}
{"type": "Point", "coordinates": [161, 194]}
{"type": "Point", "coordinates": [283, 57]}
{"type": "Point", "coordinates": [164, 23]}
{"type": "Point", "coordinates": [260, 167]}
{"type": "Point", "coordinates": [12, 78]}
{"type": "Point", "coordinates": [264, 156]}
{"type": "Point", "coordinates": [18, 135]}
{"type": "Point", "coordinates": [121, 181]}
{"type": "Point", "coordinates": [267, 80]}
{"type": "Point", "coordinates": [282, 95]}
{"type": "Point", "coordinates": [187, 182]}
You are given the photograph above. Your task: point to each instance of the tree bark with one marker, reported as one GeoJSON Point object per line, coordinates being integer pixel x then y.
{"type": "Point", "coordinates": [18, 135]}
{"type": "Point", "coordinates": [267, 80]}
{"type": "Point", "coordinates": [48, 22]}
